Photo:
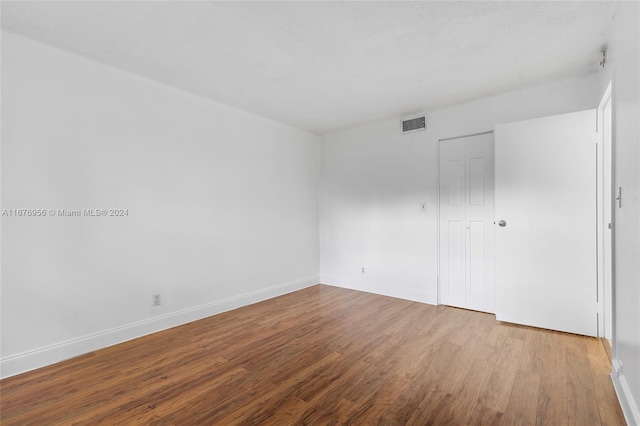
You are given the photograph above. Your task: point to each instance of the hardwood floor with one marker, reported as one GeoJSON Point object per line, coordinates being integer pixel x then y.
{"type": "Point", "coordinates": [326, 355]}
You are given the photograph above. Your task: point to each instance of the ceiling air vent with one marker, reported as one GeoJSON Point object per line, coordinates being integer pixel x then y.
{"type": "Point", "coordinates": [413, 124]}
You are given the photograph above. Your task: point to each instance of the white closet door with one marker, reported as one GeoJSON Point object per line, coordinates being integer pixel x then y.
{"type": "Point", "coordinates": [466, 223]}
{"type": "Point", "coordinates": [453, 191]}
{"type": "Point", "coordinates": [480, 217]}
{"type": "Point", "coordinates": [545, 192]}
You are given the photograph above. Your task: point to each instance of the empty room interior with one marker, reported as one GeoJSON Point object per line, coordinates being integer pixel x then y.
{"type": "Point", "coordinates": [398, 213]}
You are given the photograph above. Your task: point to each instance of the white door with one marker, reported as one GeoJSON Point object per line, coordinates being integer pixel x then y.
{"type": "Point", "coordinates": [466, 222]}
{"type": "Point", "coordinates": [545, 183]}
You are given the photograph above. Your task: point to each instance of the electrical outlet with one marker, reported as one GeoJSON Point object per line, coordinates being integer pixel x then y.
{"type": "Point", "coordinates": [155, 300]}
{"type": "Point", "coordinates": [363, 269]}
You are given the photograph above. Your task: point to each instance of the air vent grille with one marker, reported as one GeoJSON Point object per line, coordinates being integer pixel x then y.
{"type": "Point", "coordinates": [414, 124]}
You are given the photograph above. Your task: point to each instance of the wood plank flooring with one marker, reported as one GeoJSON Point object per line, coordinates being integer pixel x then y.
{"type": "Point", "coordinates": [325, 355]}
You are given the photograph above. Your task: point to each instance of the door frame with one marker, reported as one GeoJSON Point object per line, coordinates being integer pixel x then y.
{"type": "Point", "coordinates": [438, 280]}
{"type": "Point", "coordinates": [606, 293]}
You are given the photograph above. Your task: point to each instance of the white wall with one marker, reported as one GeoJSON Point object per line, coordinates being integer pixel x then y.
{"type": "Point", "coordinates": [624, 56]}
{"type": "Point", "coordinates": [374, 179]}
{"type": "Point", "coordinates": [223, 206]}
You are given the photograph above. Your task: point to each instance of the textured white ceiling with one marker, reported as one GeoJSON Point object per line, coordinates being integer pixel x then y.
{"type": "Point", "coordinates": [323, 66]}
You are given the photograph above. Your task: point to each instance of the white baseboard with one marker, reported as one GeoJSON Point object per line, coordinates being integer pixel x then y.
{"type": "Point", "coordinates": [627, 403]}
{"type": "Point", "coordinates": [382, 289]}
{"type": "Point", "coordinates": [33, 359]}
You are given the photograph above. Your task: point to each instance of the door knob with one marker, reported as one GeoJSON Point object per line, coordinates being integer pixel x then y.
{"type": "Point", "coordinates": [502, 223]}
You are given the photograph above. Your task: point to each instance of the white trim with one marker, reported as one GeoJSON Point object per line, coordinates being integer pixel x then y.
{"type": "Point", "coordinates": [47, 355]}
{"type": "Point", "coordinates": [465, 136]}
{"type": "Point", "coordinates": [383, 290]}
{"type": "Point", "coordinates": [439, 180]}
{"type": "Point", "coordinates": [600, 229]}
{"type": "Point", "coordinates": [628, 405]}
